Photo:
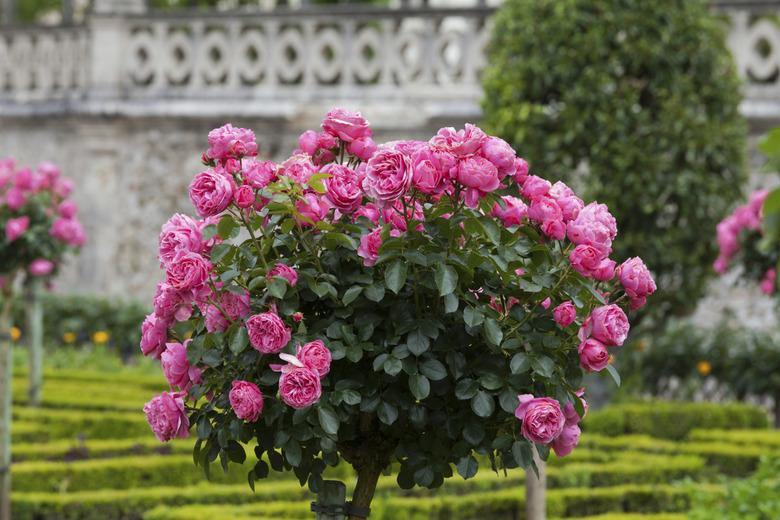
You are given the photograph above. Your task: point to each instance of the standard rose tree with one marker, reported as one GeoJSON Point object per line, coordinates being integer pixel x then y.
{"type": "Point", "coordinates": [428, 304]}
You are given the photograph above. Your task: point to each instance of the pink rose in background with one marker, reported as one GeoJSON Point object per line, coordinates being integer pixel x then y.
{"type": "Point", "coordinates": [187, 271]}
{"type": "Point", "coordinates": [211, 193]}
{"type": "Point", "coordinates": [565, 443]}
{"type": "Point", "coordinates": [315, 356]}
{"type": "Point", "coordinates": [15, 198]}
{"type": "Point", "coordinates": [49, 171]}
{"type": "Point", "coordinates": [246, 399]}
{"type": "Point", "coordinates": [68, 230]}
{"type": "Point", "coordinates": [298, 167]}
{"type": "Point", "coordinates": [267, 332]}
{"type": "Point", "coordinates": [16, 227]}
{"type": "Point", "coordinates": [154, 335]}
{"type": "Point", "coordinates": [513, 212]}
{"type": "Point", "coordinates": [461, 142]}
{"type": "Point", "coordinates": [369, 247]}
{"type": "Point", "coordinates": [24, 179]}
{"type": "Point", "coordinates": [244, 197]}
{"type": "Point", "coordinates": [313, 207]}
{"type": "Point", "coordinates": [299, 387]}
{"type": "Point", "coordinates": [180, 234]}
{"type": "Point", "coordinates": [346, 125]}
{"type": "Point", "coordinates": [363, 148]}
{"type": "Point", "coordinates": [176, 367]}
{"type": "Point", "coordinates": [565, 314]}
{"type": "Point", "coordinates": [286, 272]}
{"type": "Point", "coordinates": [388, 176]}
{"type": "Point", "coordinates": [68, 209]}
{"type": "Point", "coordinates": [636, 280]}
{"type": "Point", "coordinates": [593, 355]}
{"type": "Point", "coordinates": [309, 142]}
{"type": "Point", "coordinates": [542, 418]}
{"type": "Point", "coordinates": [594, 226]}
{"type": "Point", "coordinates": [769, 282]}
{"type": "Point", "coordinates": [535, 187]}
{"type": "Point", "coordinates": [228, 142]}
{"type": "Point", "coordinates": [41, 267]}
{"type": "Point", "coordinates": [63, 188]}
{"type": "Point", "coordinates": [170, 303]}
{"type": "Point", "coordinates": [167, 417]}
{"type": "Point", "coordinates": [608, 324]}
{"type": "Point", "coordinates": [498, 151]}
{"type": "Point", "coordinates": [259, 174]}
{"type": "Point", "coordinates": [343, 188]}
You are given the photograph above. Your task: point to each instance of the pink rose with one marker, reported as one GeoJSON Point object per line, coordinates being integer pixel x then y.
{"type": "Point", "coordinates": [388, 176]}
{"type": "Point", "coordinates": [15, 227]}
{"type": "Point", "coordinates": [299, 387]}
{"type": "Point", "coordinates": [521, 170]}
{"type": "Point", "coordinates": [346, 125]}
{"type": "Point", "coordinates": [369, 247]}
{"type": "Point", "coordinates": [41, 267]}
{"type": "Point", "coordinates": [63, 188]}
{"type": "Point", "coordinates": [286, 272]}
{"type": "Point", "coordinates": [570, 413]}
{"type": "Point", "coordinates": [498, 151]}
{"type": "Point", "coordinates": [362, 148]}
{"type": "Point", "coordinates": [154, 334]}
{"type": "Point", "coordinates": [565, 314]}
{"type": "Point", "coordinates": [68, 230]}
{"type": "Point", "coordinates": [397, 215]}
{"type": "Point", "coordinates": [542, 418]}
{"type": "Point", "coordinates": [636, 280]}
{"type": "Point", "coordinates": [15, 198]}
{"type": "Point", "coordinates": [313, 208]}
{"type": "Point", "coordinates": [462, 142]}
{"type": "Point", "coordinates": [68, 209]}
{"type": "Point", "coordinates": [546, 303]}
{"type": "Point", "coordinates": [188, 271]}
{"type": "Point", "coordinates": [297, 317]}
{"type": "Point", "coordinates": [49, 171]}
{"type": "Point", "coordinates": [368, 211]}
{"type": "Point", "coordinates": [176, 367]}
{"type": "Point", "coordinates": [586, 259]}
{"type": "Point", "coordinates": [593, 355]}
{"type": "Point", "coordinates": [769, 282]}
{"type": "Point", "coordinates": [431, 169]}
{"type": "Point", "coordinates": [180, 234]}
{"type": "Point", "coordinates": [211, 193]}
{"type": "Point", "coordinates": [343, 188]}
{"type": "Point", "coordinates": [605, 270]}
{"type": "Point", "coordinates": [24, 179]}
{"type": "Point", "coordinates": [236, 306]}
{"type": "Point", "coordinates": [170, 303]}
{"type": "Point", "coordinates": [565, 443]}
{"type": "Point", "coordinates": [267, 332]}
{"type": "Point", "coordinates": [608, 324]}
{"type": "Point", "coordinates": [554, 229]}
{"type": "Point", "coordinates": [478, 175]}
{"type": "Point", "coordinates": [513, 212]}
{"type": "Point", "coordinates": [244, 197]}
{"type": "Point", "coordinates": [167, 417]}
{"type": "Point", "coordinates": [298, 167]}
{"type": "Point", "coordinates": [544, 209]}
{"type": "Point", "coordinates": [308, 142]}
{"type": "Point", "coordinates": [228, 142]}
{"type": "Point", "coordinates": [535, 187]}
{"type": "Point", "coordinates": [570, 204]}
{"type": "Point", "coordinates": [594, 226]}
{"type": "Point", "coordinates": [259, 174]}
{"type": "Point", "coordinates": [315, 356]}
{"type": "Point", "coordinates": [246, 399]}
{"type": "Point", "coordinates": [721, 264]}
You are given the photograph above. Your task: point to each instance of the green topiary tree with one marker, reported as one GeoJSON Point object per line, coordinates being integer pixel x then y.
{"type": "Point", "coordinates": [644, 97]}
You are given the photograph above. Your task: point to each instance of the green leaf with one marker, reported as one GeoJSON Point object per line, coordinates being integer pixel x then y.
{"type": "Point", "coordinates": [227, 225]}
{"type": "Point", "coordinates": [520, 363]}
{"type": "Point", "coordinates": [614, 373]}
{"type": "Point", "coordinates": [434, 369]}
{"type": "Point", "coordinates": [543, 366]}
{"type": "Point", "coordinates": [209, 232]}
{"type": "Point", "coordinates": [483, 404]}
{"type": "Point", "coordinates": [236, 452]}
{"type": "Point", "coordinates": [292, 452]}
{"type": "Point", "coordinates": [328, 419]}
{"type": "Point", "coordinates": [508, 400]}
{"type": "Point", "coordinates": [395, 276]}
{"type": "Point", "coordinates": [450, 303]}
{"type": "Point", "coordinates": [466, 389]}
{"type": "Point", "coordinates": [521, 451]}
{"type": "Point", "coordinates": [277, 287]}
{"type": "Point", "coordinates": [351, 294]}
{"type": "Point", "coordinates": [240, 340]}
{"type": "Point", "coordinates": [220, 251]}
{"type": "Point", "coordinates": [417, 342]}
{"type": "Point", "coordinates": [419, 386]}
{"type": "Point", "coordinates": [472, 317]}
{"type": "Point", "coordinates": [493, 332]}
{"type": "Point", "coordinates": [387, 413]}
{"type": "Point", "coordinates": [446, 278]}
{"type": "Point", "coordinates": [393, 366]}
{"type": "Point", "coordinates": [467, 467]}
{"type": "Point", "coordinates": [375, 292]}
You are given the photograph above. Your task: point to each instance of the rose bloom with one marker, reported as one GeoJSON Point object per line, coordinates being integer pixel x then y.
{"type": "Point", "coordinates": [167, 417]}
{"type": "Point", "coordinates": [363, 148]}
{"type": "Point", "coordinates": [546, 303]}
{"type": "Point", "coordinates": [229, 142]}
{"type": "Point", "coordinates": [67, 209]}
{"type": "Point", "coordinates": [477, 174]}
{"type": "Point", "coordinates": [180, 233]}
{"type": "Point", "coordinates": [395, 214]}
{"type": "Point", "coordinates": [431, 169]}
{"type": "Point", "coordinates": [15, 198]}
{"type": "Point", "coordinates": [593, 355]}
{"type": "Point", "coordinates": [572, 417]}
{"type": "Point", "coordinates": [608, 324]}
{"type": "Point", "coordinates": [513, 212]}
{"type": "Point", "coordinates": [461, 142]}
{"type": "Point", "coordinates": [369, 211]}
{"type": "Point", "coordinates": [535, 187]}
{"type": "Point", "coordinates": [246, 399]}
{"type": "Point", "coordinates": [286, 272]}
{"type": "Point", "coordinates": [544, 209]}
{"type": "Point", "coordinates": [570, 204]}
{"type": "Point", "coordinates": [170, 303]}
{"type": "Point", "coordinates": [267, 332]}
{"type": "Point", "coordinates": [586, 259]}
{"type": "Point", "coordinates": [521, 170]}
{"type": "Point", "coordinates": [68, 230]}
{"type": "Point", "coordinates": [176, 367]}
{"type": "Point", "coordinates": [259, 174]}
{"type": "Point", "coordinates": [636, 280]}
{"type": "Point", "coordinates": [244, 196]}
{"type": "Point", "coordinates": [41, 267]}
{"type": "Point", "coordinates": [211, 193]}
{"type": "Point", "coordinates": [308, 142]}
{"type": "Point", "coordinates": [369, 247]}
{"type": "Point", "coordinates": [313, 207]}
{"type": "Point", "coordinates": [565, 443]}
{"type": "Point", "coordinates": [605, 270]}
{"type": "Point", "coordinates": [299, 387]}
{"type": "Point", "coordinates": [498, 151]}
{"type": "Point", "coordinates": [346, 125]}
{"type": "Point", "coordinates": [343, 188]}
{"type": "Point", "coordinates": [388, 175]}
{"type": "Point", "coordinates": [298, 167]}
{"type": "Point", "coordinates": [188, 271]}
{"type": "Point", "coordinates": [555, 229]}
{"type": "Point", "coordinates": [542, 418]}
{"type": "Point", "coordinates": [15, 227]}
{"type": "Point", "coordinates": [768, 283]}
{"type": "Point", "coordinates": [154, 334]}
{"type": "Point", "coordinates": [594, 226]}
{"type": "Point", "coordinates": [236, 306]}
{"type": "Point", "coordinates": [565, 314]}
{"type": "Point", "coordinates": [315, 356]}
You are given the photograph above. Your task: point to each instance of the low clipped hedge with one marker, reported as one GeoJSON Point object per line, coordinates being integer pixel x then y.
{"type": "Point", "coordinates": [84, 395]}
{"type": "Point", "coordinates": [632, 516]}
{"type": "Point", "coordinates": [765, 438]}
{"type": "Point", "coordinates": [77, 449]}
{"type": "Point", "coordinates": [150, 382]}
{"type": "Point", "coordinates": [673, 419]}
{"type": "Point", "coordinates": [52, 424]}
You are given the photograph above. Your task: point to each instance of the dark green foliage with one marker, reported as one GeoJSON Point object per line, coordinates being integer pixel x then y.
{"type": "Point", "coordinates": [645, 95]}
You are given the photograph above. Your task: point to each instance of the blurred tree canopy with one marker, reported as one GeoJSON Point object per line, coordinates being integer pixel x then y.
{"type": "Point", "coordinates": [643, 97]}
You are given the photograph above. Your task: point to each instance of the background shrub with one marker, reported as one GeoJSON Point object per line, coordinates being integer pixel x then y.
{"type": "Point", "coordinates": [646, 96]}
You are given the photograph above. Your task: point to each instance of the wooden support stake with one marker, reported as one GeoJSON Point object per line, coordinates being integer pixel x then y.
{"type": "Point", "coordinates": [34, 310]}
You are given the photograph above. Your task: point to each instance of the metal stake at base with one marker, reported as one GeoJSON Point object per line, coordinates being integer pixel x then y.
{"type": "Point", "coordinates": [331, 501]}
{"type": "Point", "coordinates": [35, 340]}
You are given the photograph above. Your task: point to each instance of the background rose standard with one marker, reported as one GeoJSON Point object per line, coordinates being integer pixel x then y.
{"type": "Point", "coordinates": [39, 225]}
{"type": "Point", "coordinates": [408, 302]}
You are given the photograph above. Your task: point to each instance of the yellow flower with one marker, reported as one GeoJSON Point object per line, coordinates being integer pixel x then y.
{"type": "Point", "coordinates": [15, 333]}
{"type": "Point", "coordinates": [704, 367]}
{"type": "Point", "coordinates": [100, 337]}
{"type": "Point", "coordinates": [69, 337]}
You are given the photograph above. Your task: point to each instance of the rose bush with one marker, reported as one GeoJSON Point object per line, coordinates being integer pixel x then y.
{"type": "Point", "coordinates": [407, 302]}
